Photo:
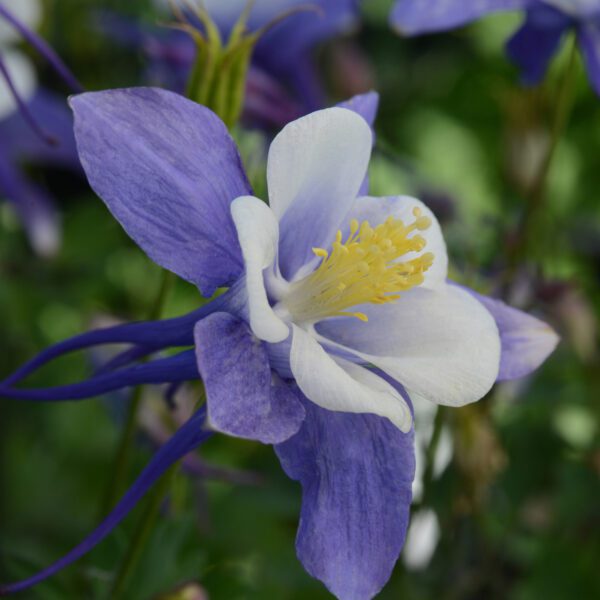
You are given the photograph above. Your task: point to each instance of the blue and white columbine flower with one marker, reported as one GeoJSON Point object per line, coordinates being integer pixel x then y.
{"type": "Point", "coordinates": [338, 315]}
{"type": "Point", "coordinates": [533, 45]}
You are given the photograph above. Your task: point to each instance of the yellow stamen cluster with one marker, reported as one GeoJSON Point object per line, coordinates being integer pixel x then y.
{"type": "Point", "coordinates": [363, 269]}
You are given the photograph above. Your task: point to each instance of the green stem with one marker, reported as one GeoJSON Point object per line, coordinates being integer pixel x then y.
{"type": "Point", "coordinates": [145, 526]}
{"type": "Point", "coordinates": [536, 195]}
{"type": "Point", "coordinates": [166, 285]}
{"type": "Point", "coordinates": [430, 454]}
{"type": "Point", "coordinates": [122, 459]}
{"type": "Point", "coordinates": [564, 105]}
{"type": "Point", "coordinates": [142, 534]}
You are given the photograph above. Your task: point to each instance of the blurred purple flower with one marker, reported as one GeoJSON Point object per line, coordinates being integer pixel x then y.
{"type": "Point", "coordinates": [285, 52]}
{"type": "Point", "coordinates": [282, 82]}
{"type": "Point", "coordinates": [532, 46]}
{"type": "Point", "coordinates": [21, 145]}
{"type": "Point", "coordinates": [312, 351]}
{"type": "Point", "coordinates": [35, 128]}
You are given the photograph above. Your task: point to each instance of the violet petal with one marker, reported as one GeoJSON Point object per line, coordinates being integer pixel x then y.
{"type": "Point", "coordinates": [168, 170]}
{"type": "Point", "coordinates": [244, 398]}
{"type": "Point", "coordinates": [414, 17]}
{"type": "Point", "coordinates": [589, 42]}
{"type": "Point", "coordinates": [155, 335]}
{"type": "Point", "coordinates": [536, 42]}
{"type": "Point", "coordinates": [181, 367]}
{"type": "Point", "coordinates": [526, 341]}
{"type": "Point", "coordinates": [356, 473]}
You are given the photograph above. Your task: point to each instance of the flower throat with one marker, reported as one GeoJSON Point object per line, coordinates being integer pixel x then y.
{"type": "Point", "coordinates": [363, 269]}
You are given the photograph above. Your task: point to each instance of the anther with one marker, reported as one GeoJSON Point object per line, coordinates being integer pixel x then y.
{"type": "Point", "coordinates": [363, 268]}
{"type": "Point", "coordinates": [423, 223]}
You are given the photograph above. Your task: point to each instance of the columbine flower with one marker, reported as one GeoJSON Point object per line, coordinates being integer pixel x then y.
{"type": "Point", "coordinates": [338, 314]}
{"type": "Point", "coordinates": [35, 125]}
{"type": "Point", "coordinates": [534, 44]}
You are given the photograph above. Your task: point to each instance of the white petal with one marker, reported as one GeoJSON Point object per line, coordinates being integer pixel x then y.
{"type": "Point", "coordinates": [315, 169]}
{"type": "Point", "coordinates": [377, 210]}
{"type": "Point", "coordinates": [422, 540]}
{"type": "Point", "coordinates": [23, 77]}
{"type": "Point", "coordinates": [339, 385]}
{"type": "Point", "coordinates": [441, 344]}
{"type": "Point", "coordinates": [258, 234]}
{"type": "Point", "coordinates": [444, 453]}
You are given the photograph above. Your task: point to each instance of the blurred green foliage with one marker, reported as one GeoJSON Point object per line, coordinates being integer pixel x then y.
{"type": "Point", "coordinates": [520, 522]}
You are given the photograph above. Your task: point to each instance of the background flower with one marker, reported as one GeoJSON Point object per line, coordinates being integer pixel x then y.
{"type": "Point", "coordinates": [283, 81]}
{"type": "Point", "coordinates": [38, 132]}
{"type": "Point", "coordinates": [546, 23]}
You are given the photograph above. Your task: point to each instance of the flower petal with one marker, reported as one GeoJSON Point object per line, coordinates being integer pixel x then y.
{"type": "Point", "coordinates": [168, 170]}
{"type": "Point", "coordinates": [441, 344]}
{"type": "Point", "coordinates": [268, 104]}
{"type": "Point", "coordinates": [180, 367]}
{"type": "Point", "coordinates": [582, 9]}
{"type": "Point", "coordinates": [377, 210]}
{"type": "Point", "coordinates": [535, 43]}
{"type": "Point", "coordinates": [589, 41]}
{"type": "Point", "coordinates": [284, 46]}
{"type": "Point", "coordinates": [258, 234]}
{"type": "Point", "coordinates": [284, 50]}
{"type": "Point", "coordinates": [244, 399]}
{"type": "Point", "coordinates": [366, 105]}
{"type": "Point", "coordinates": [339, 385]}
{"type": "Point", "coordinates": [413, 17]}
{"type": "Point", "coordinates": [315, 169]}
{"type": "Point", "coordinates": [526, 341]}
{"type": "Point", "coordinates": [356, 473]}
{"type": "Point", "coordinates": [189, 437]}
{"type": "Point", "coordinates": [155, 335]}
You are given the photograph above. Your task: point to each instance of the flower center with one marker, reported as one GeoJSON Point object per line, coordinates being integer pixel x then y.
{"type": "Point", "coordinates": [363, 269]}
